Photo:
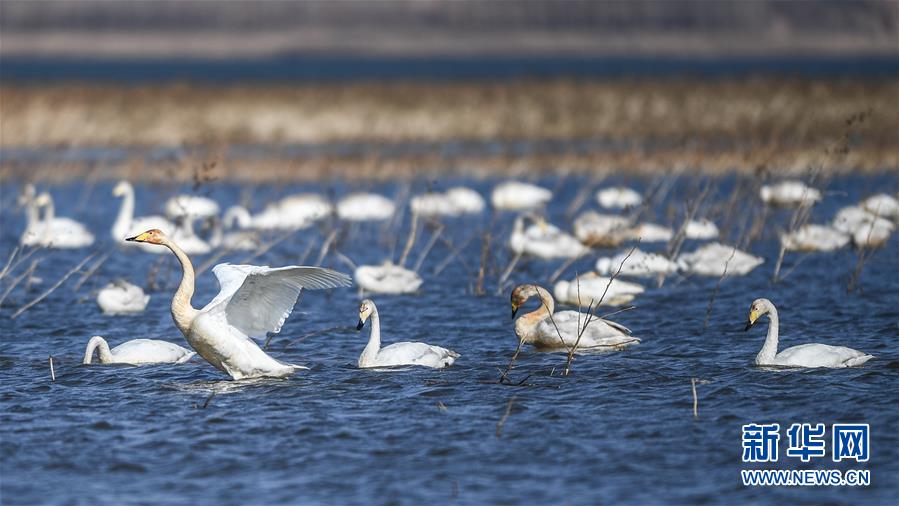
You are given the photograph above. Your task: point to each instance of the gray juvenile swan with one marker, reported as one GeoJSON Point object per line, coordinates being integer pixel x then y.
{"type": "Point", "coordinates": [804, 355]}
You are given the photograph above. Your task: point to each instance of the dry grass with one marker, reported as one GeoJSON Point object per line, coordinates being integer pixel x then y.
{"type": "Point", "coordinates": [643, 125]}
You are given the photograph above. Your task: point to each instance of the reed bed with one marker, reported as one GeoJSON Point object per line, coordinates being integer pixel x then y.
{"type": "Point", "coordinates": [391, 130]}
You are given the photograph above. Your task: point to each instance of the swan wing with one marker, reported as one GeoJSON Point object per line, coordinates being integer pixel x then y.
{"type": "Point", "coordinates": [821, 355]}
{"type": "Point", "coordinates": [256, 300]}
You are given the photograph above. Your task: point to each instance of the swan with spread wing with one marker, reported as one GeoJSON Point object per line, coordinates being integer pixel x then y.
{"type": "Point", "coordinates": [252, 301]}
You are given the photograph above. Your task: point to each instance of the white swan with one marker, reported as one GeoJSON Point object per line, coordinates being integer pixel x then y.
{"type": "Point", "coordinates": [252, 302]}
{"type": "Point", "coordinates": [866, 229]}
{"type": "Point", "coordinates": [814, 238]}
{"type": "Point", "coordinates": [126, 225]}
{"type": "Point", "coordinates": [398, 353]}
{"type": "Point", "coordinates": [518, 196]}
{"type": "Point", "coordinates": [618, 197]}
{"type": "Point", "coordinates": [789, 194]}
{"type": "Point", "coordinates": [387, 278]}
{"type": "Point", "coordinates": [33, 235]}
{"type": "Point", "coordinates": [365, 207]}
{"type": "Point", "coordinates": [136, 352]}
{"type": "Point", "coordinates": [543, 328]}
{"type": "Point", "coordinates": [121, 297]}
{"type": "Point", "coordinates": [543, 240]}
{"type": "Point", "coordinates": [589, 288]}
{"type": "Point", "coordinates": [701, 229]}
{"type": "Point", "coordinates": [883, 205]}
{"type": "Point", "coordinates": [804, 355]}
{"type": "Point", "coordinates": [639, 263]}
{"type": "Point", "coordinates": [240, 240]}
{"type": "Point", "coordinates": [602, 230]}
{"type": "Point", "coordinates": [712, 260]}
{"type": "Point", "coordinates": [454, 202]}
{"type": "Point", "coordinates": [63, 233]}
{"type": "Point", "coordinates": [651, 232]}
{"type": "Point", "coordinates": [190, 206]}
{"type": "Point", "coordinates": [294, 212]}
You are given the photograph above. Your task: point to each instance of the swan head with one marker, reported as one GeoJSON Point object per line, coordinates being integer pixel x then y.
{"type": "Point", "coordinates": [27, 195]}
{"type": "Point", "coordinates": [520, 295]}
{"type": "Point", "coordinates": [42, 200]}
{"type": "Point", "coordinates": [152, 236]}
{"type": "Point", "coordinates": [758, 308]}
{"type": "Point", "coordinates": [366, 307]}
{"type": "Point", "coordinates": [121, 189]}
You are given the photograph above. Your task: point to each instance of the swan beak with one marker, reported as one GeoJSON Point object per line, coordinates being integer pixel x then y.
{"type": "Point", "coordinates": [753, 317]}
{"type": "Point", "coordinates": [360, 324]}
{"type": "Point", "coordinates": [139, 237]}
{"type": "Point", "coordinates": [514, 310]}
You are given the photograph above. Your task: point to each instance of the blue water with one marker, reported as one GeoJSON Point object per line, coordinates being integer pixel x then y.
{"type": "Point", "coordinates": [309, 68]}
{"type": "Point", "coordinates": [619, 429]}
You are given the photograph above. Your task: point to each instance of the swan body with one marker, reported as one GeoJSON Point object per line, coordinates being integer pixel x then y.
{"type": "Point", "coordinates": [518, 196]}
{"type": "Point", "coordinates": [387, 278]}
{"type": "Point", "coordinates": [365, 207]}
{"type": "Point", "coordinates": [539, 327]}
{"type": "Point", "coordinates": [190, 206]}
{"type": "Point", "coordinates": [240, 240]}
{"type": "Point", "coordinates": [589, 288]}
{"type": "Point", "coordinates": [701, 229]}
{"type": "Point", "coordinates": [137, 352]}
{"type": "Point", "coordinates": [714, 258]}
{"type": "Point", "coordinates": [639, 263]}
{"type": "Point", "coordinates": [882, 205]}
{"type": "Point", "coordinates": [252, 302]}
{"type": "Point", "coordinates": [814, 238]}
{"type": "Point", "coordinates": [651, 232]}
{"type": "Point", "coordinates": [618, 197]}
{"type": "Point", "coordinates": [399, 353]}
{"type": "Point", "coordinates": [454, 202]}
{"type": "Point", "coordinates": [602, 230]}
{"type": "Point", "coordinates": [866, 229]}
{"type": "Point", "coordinates": [789, 194]}
{"type": "Point", "coordinates": [60, 233]}
{"type": "Point", "coordinates": [805, 355]}
{"type": "Point", "coordinates": [126, 225]}
{"type": "Point", "coordinates": [121, 297]}
{"type": "Point", "coordinates": [293, 212]}
{"type": "Point", "coordinates": [543, 240]}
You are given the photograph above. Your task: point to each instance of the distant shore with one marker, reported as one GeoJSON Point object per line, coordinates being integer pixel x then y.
{"type": "Point", "coordinates": [310, 131]}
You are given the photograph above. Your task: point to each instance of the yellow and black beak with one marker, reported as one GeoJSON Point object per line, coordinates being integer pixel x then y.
{"type": "Point", "coordinates": [753, 317]}
{"type": "Point", "coordinates": [360, 324]}
{"type": "Point", "coordinates": [514, 309]}
{"type": "Point", "coordinates": [139, 237]}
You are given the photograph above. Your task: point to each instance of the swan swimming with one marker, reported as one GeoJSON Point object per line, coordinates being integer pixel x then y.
{"type": "Point", "coordinates": [60, 233]}
{"type": "Point", "coordinates": [715, 258]}
{"type": "Point", "coordinates": [882, 205]}
{"type": "Point", "coordinates": [804, 355]}
{"type": "Point", "coordinates": [365, 207]}
{"type": "Point", "coordinates": [602, 230]}
{"type": "Point", "coordinates": [127, 225]}
{"type": "Point", "coordinates": [454, 202]}
{"type": "Point", "coordinates": [137, 352]}
{"type": "Point", "coordinates": [538, 327]}
{"type": "Point", "coordinates": [618, 197]}
{"type": "Point", "coordinates": [590, 288]}
{"type": "Point", "coordinates": [651, 232]}
{"type": "Point", "coordinates": [789, 194]}
{"type": "Point", "coordinates": [122, 297]}
{"type": "Point", "coordinates": [518, 196]}
{"type": "Point", "coordinates": [701, 229]}
{"type": "Point", "coordinates": [866, 229]}
{"type": "Point", "coordinates": [190, 206]}
{"type": "Point", "coordinates": [398, 353]}
{"type": "Point", "coordinates": [639, 263]}
{"type": "Point", "coordinates": [252, 302]}
{"type": "Point", "coordinates": [387, 278]}
{"type": "Point", "coordinates": [814, 238]}
{"type": "Point", "coordinates": [543, 240]}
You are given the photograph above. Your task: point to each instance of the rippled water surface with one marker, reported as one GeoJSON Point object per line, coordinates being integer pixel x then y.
{"type": "Point", "coordinates": [618, 429]}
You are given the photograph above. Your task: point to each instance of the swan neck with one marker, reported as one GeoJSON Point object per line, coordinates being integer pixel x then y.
{"type": "Point", "coordinates": [769, 350]}
{"type": "Point", "coordinates": [525, 326]}
{"type": "Point", "coordinates": [49, 212]}
{"type": "Point", "coordinates": [182, 311]}
{"type": "Point", "coordinates": [126, 215]}
{"type": "Point", "coordinates": [100, 344]}
{"type": "Point", "coordinates": [31, 215]}
{"type": "Point", "coordinates": [374, 339]}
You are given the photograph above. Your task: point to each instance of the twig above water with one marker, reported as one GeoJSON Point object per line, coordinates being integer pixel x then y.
{"type": "Point", "coordinates": [54, 287]}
